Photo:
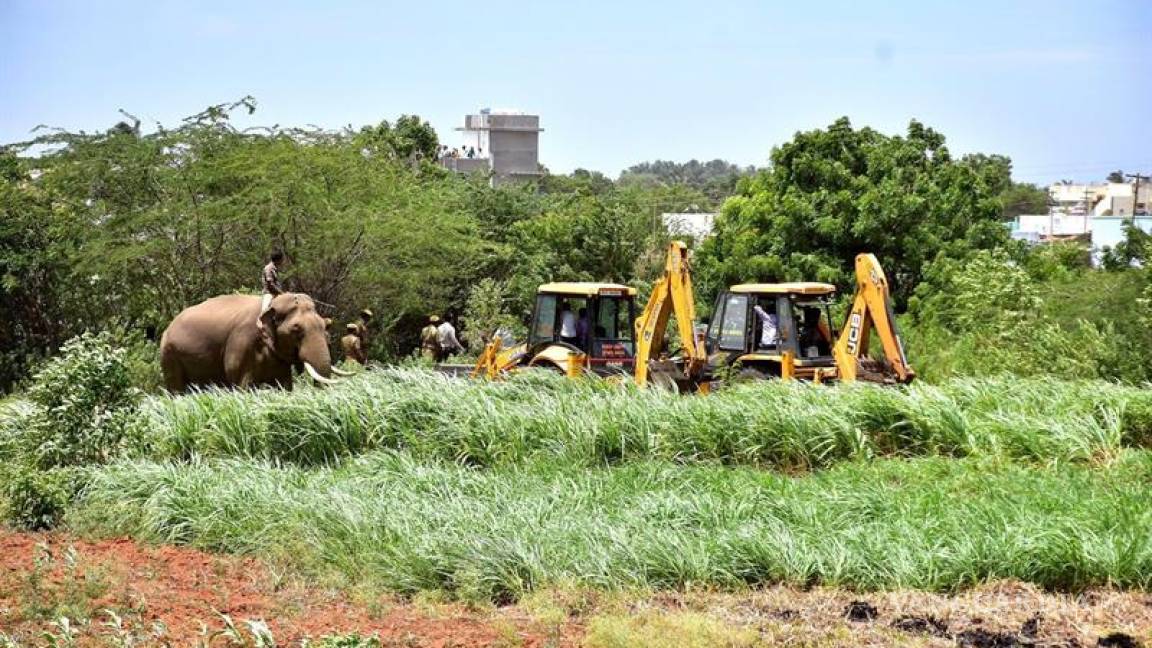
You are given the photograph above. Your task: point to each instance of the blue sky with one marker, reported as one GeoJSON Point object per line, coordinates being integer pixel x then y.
{"type": "Point", "coordinates": [1063, 88]}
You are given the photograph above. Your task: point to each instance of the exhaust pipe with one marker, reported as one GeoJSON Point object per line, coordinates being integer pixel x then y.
{"type": "Point", "coordinates": [316, 375]}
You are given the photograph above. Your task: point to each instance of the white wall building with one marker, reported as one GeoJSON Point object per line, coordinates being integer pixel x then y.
{"type": "Point", "coordinates": [1099, 199]}
{"type": "Point", "coordinates": [1075, 198]}
{"type": "Point", "coordinates": [1117, 200]}
{"type": "Point", "coordinates": [696, 225]}
{"type": "Point", "coordinates": [1107, 231]}
{"type": "Point", "coordinates": [1053, 224]}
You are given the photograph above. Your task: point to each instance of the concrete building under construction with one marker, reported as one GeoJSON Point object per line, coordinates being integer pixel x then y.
{"type": "Point", "coordinates": [506, 145]}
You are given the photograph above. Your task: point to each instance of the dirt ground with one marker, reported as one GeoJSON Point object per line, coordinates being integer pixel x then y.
{"type": "Point", "coordinates": [121, 593]}
{"type": "Point", "coordinates": [178, 596]}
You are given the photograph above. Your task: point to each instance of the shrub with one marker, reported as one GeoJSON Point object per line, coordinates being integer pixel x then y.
{"type": "Point", "coordinates": [79, 412]}
{"type": "Point", "coordinates": [988, 315]}
{"type": "Point", "coordinates": [36, 499]}
{"type": "Point", "coordinates": [486, 312]}
{"type": "Point", "coordinates": [84, 398]}
{"type": "Point", "coordinates": [141, 360]}
{"type": "Point", "coordinates": [353, 640]}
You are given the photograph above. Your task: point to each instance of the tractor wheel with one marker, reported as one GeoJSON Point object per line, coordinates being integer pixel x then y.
{"type": "Point", "coordinates": [749, 374]}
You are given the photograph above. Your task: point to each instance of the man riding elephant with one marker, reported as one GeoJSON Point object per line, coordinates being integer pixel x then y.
{"type": "Point", "coordinates": [218, 342]}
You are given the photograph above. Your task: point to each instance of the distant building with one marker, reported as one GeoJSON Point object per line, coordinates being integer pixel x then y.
{"type": "Point", "coordinates": [1075, 198]}
{"type": "Point", "coordinates": [1100, 199]}
{"type": "Point", "coordinates": [696, 225]}
{"type": "Point", "coordinates": [1052, 224]}
{"type": "Point", "coordinates": [1118, 200]}
{"type": "Point", "coordinates": [1107, 231]}
{"type": "Point", "coordinates": [506, 144]}
{"type": "Point", "coordinates": [1097, 210]}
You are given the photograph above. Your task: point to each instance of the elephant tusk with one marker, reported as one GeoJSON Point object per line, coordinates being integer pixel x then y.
{"type": "Point", "coordinates": [341, 372]}
{"type": "Point", "coordinates": [316, 375]}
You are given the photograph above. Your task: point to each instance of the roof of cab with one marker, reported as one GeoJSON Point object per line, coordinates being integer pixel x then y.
{"type": "Point", "coordinates": [792, 288]}
{"type": "Point", "coordinates": [585, 288]}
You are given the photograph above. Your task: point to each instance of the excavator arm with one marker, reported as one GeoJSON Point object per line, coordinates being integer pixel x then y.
{"type": "Point", "coordinates": [672, 294]}
{"type": "Point", "coordinates": [871, 308]}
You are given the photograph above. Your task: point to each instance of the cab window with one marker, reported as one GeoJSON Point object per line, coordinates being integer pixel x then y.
{"type": "Point", "coordinates": [712, 336]}
{"type": "Point", "coordinates": [814, 328]}
{"type": "Point", "coordinates": [612, 331]}
{"type": "Point", "coordinates": [544, 325]}
{"type": "Point", "coordinates": [734, 322]}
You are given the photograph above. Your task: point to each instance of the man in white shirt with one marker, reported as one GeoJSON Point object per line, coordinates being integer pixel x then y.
{"type": "Point", "coordinates": [446, 333]}
{"type": "Point", "coordinates": [769, 327]}
{"type": "Point", "coordinates": [567, 324]}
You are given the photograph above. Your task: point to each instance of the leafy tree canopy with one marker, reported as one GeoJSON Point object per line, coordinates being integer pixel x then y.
{"type": "Point", "coordinates": [832, 194]}
{"type": "Point", "coordinates": [716, 179]}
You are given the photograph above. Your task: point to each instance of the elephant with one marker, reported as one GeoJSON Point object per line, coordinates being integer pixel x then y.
{"type": "Point", "coordinates": [217, 342]}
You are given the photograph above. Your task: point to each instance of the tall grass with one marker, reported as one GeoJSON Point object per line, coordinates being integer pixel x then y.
{"type": "Point", "coordinates": [385, 517]}
{"type": "Point", "coordinates": [788, 425]}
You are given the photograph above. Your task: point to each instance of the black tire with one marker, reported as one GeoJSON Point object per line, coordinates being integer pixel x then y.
{"type": "Point", "coordinates": [749, 374]}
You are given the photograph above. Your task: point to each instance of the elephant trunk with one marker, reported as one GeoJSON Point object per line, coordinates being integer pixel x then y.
{"type": "Point", "coordinates": [315, 375]}
{"type": "Point", "coordinates": [317, 361]}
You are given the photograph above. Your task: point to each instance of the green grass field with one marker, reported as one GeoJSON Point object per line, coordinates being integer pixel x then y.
{"type": "Point", "coordinates": [411, 525]}
{"type": "Point", "coordinates": [411, 481]}
{"type": "Point", "coordinates": [781, 425]}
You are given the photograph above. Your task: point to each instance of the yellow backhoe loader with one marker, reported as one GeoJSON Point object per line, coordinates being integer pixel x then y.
{"type": "Point", "coordinates": [767, 330]}
{"type": "Point", "coordinates": [576, 328]}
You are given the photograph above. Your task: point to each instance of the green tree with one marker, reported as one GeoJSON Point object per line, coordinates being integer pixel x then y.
{"type": "Point", "coordinates": [1135, 249]}
{"type": "Point", "coordinates": [125, 229]}
{"type": "Point", "coordinates": [715, 179]}
{"type": "Point", "coordinates": [1023, 198]}
{"type": "Point", "coordinates": [987, 314]}
{"type": "Point", "coordinates": [831, 194]}
{"type": "Point", "coordinates": [410, 139]}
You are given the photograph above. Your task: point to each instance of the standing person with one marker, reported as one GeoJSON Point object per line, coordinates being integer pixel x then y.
{"type": "Point", "coordinates": [446, 335]}
{"type": "Point", "coordinates": [582, 325]}
{"type": "Point", "coordinates": [366, 316]}
{"type": "Point", "coordinates": [812, 340]}
{"type": "Point", "coordinates": [769, 327]}
{"type": "Point", "coordinates": [350, 343]}
{"type": "Point", "coordinates": [567, 324]}
{"type": "Point", "coordinates": [270, 286]}
{"type": "Point", "coordinates": [430, 340]}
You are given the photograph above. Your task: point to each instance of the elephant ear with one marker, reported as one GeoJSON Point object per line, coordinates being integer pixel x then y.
{"type": "Point", "coordinates": [270, 318]}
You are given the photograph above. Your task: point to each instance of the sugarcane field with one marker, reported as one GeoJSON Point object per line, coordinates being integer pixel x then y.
{"type": "Point", "coordinates": [293, 355]}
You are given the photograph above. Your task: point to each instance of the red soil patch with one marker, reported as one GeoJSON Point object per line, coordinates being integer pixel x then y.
{"type": "Point", "coordinates": [43, 577]}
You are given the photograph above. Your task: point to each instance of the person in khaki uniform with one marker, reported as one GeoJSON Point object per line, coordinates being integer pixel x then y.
{"type": "Point", "coordinates": [366, 316]}
{"type": "Point", "coordinates": [352, 345]}
{"type": "Point", "coordinates": [430, 340]}
{"type": "Point", "coordinates": [270, 285]}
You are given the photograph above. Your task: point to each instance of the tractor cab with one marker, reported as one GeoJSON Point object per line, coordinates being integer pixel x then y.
{"type": "Point", "coordinates": [592, 320]}
{"type": "Point", "coordinates": [761, 328]}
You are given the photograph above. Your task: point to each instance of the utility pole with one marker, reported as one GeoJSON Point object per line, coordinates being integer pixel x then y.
{"type": "Point", "coordinates": [1136, 177]}
{"type": "Point", "coordinates": [1087, 206]}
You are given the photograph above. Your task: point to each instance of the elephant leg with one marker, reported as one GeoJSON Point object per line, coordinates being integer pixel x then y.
{"type": "Point", "coordinates": [285, 383]}
{"type": "Point", "coordinates": [239, 369]}
{"type": "Point", "coordinates": [175, 380]}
